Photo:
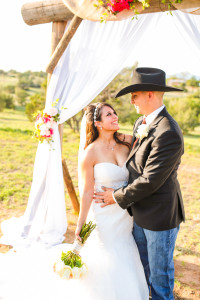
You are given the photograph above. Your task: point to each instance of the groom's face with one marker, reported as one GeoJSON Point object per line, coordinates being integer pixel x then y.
{"type": "Point", "coordinates": [140, 101]}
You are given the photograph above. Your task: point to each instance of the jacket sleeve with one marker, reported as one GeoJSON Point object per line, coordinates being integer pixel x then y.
{"type": "Point", "coordinates": [163, 159]}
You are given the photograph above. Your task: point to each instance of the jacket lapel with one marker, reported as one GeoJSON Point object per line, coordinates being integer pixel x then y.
{"type": "Point", "coordinates": [154, 124]}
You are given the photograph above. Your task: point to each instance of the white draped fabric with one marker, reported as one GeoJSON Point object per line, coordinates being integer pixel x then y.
{"type": "Point", "coordinates": [96, 54]}
{"type": "Point", "coordinates": [189, 28]}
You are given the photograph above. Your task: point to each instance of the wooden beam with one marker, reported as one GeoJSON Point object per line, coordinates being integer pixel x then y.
{"type": "Point", "coordinates": [58, 29]}
{"type": "Point", "coordinates": [63, 43]}
{"type": "Point", "coordinates": [85, 9]}
{"type": "Point", "coordinates": [62, 10]}
{"type": "Point", "coordinates": [45, 12]}
{"type": "Point", "coordinates": [191, 6]}
{"type": "Point", "coordinates": [70, 188]}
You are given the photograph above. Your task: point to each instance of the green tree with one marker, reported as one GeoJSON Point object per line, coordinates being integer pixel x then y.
{"type": "Point", "coordinates": [193, 82]}
{"type": "Point", "coordinates": [21, 96]}
{"type": "Point", "coordinates": [10, 89]}
{"type": "Point", "coordinates": [36, 103]}
{"type": "Point", "coordinates": [185, 111]}
{"type": "Point", "coordinates": [7, 99]}
{"type": "Point", "coordinates": [2, 102]}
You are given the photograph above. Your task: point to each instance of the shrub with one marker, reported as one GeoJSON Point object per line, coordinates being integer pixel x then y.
{"type": "Point", "coordinates": [36, 103]}
{"type": "Point", "coordinates": [6, 101]}
{"type": "Point", "coordinates": [21, 96]}
{"type": "Point", "coordinates": [2, 103]}
{"type": "Point", "coordinates": [185, 111]}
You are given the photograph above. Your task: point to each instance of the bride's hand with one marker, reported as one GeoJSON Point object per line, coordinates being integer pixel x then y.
{"type": "Point", "coordinates": [77, 233]}
{"type": "Point", "coordinates": [106, 197]}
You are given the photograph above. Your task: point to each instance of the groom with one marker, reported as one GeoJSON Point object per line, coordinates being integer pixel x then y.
{"type": "Point", "coordinates": [153, 193]}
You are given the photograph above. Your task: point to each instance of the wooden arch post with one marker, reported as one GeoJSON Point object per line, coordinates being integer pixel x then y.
{"type": "Point", "coordinates": [58, 29]}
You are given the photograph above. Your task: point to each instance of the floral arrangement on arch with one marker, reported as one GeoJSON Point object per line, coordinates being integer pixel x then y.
{"type": "Point", "coordinates": [46, 122]}
{"type": "Point", "coordinates": [116, 6]}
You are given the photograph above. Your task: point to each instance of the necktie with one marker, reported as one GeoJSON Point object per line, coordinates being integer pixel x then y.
{"type": "Point", "coordinates": [143, 122]}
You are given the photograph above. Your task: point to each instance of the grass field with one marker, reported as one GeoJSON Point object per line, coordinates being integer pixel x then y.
{"type": "Point", "coordinates": [16, 167]}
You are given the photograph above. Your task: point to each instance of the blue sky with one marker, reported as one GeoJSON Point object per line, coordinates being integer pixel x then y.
{"type": "Point", "coordinates": [26, 47]}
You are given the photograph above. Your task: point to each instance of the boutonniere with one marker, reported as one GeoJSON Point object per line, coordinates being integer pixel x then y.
{"type": "Point", "coordinates": [142, 131]}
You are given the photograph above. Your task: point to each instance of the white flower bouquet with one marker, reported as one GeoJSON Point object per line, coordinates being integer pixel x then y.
{"type": "Point", "coordinates": [70, 264]}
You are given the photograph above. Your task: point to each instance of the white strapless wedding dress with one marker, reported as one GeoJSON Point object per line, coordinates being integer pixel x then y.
{"type": "Point", "coordinates": [115, 270]}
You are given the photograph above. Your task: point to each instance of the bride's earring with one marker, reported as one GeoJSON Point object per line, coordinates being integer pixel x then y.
{"type": "Point", "coordinates": [101, 127]}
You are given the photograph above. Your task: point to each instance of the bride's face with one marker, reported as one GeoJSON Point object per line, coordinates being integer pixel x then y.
{"type": "Point", "coordinates": [109, 119]}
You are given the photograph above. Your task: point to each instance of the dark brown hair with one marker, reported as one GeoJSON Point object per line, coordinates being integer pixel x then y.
{"type": "Point", "coordinates": [91, 130]}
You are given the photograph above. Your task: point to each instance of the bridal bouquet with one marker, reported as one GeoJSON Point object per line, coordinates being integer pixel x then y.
{"type": "Point", "coordinates": [70, 264]}
{"type": "Point", "coordinates": [46, 121]}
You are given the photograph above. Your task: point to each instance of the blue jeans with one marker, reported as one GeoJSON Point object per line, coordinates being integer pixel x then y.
{"type": "Point", "coordinates": [156, 250]}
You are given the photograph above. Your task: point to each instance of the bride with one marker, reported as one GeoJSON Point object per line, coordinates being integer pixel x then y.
{"type": "Point", "coordinates": [115, 271]}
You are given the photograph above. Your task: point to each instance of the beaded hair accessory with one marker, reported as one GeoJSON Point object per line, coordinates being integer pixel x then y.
{"type": "Point", "coordinates": [95, 113]}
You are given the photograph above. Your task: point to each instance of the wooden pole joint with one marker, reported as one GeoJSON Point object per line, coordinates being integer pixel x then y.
{"type": "Point", "coordinates": [62, 45]}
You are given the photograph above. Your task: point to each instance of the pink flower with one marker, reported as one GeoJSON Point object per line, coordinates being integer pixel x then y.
{"type": "Point", "coordinates": [38, 116]}
{"type": "Point", "coordinates": [51, 124]}
{"type": "Point", "coordinates": [52, 111]}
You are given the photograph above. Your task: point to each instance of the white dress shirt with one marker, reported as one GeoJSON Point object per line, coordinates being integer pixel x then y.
{"type": "Point", "coordinates": [150, 118]}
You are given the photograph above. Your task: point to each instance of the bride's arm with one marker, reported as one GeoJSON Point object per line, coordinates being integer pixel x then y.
{"type": "Point", "coordinates": [87, 176]}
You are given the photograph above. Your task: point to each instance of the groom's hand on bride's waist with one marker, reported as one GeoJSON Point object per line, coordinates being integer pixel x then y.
{"type": "Point", "coordinates": [105, 198]}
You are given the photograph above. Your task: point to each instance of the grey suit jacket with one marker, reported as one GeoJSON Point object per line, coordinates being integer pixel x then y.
{"type": "Point", "coordinates": [153, 192]}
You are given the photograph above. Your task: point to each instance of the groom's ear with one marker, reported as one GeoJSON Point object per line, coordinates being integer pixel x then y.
{"type": "Point", "coordinates": [150, 96]}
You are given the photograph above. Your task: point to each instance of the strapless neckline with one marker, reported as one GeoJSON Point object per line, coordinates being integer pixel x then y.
{"type": "Point", "coordinates": [107, 162]}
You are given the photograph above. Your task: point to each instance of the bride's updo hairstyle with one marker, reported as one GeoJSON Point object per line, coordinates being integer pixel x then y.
{"type": "Point", "coordinates": [93, 113]}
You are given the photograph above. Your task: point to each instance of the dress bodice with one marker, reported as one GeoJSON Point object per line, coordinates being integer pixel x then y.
{"type": "Point", "coordinates": [110, 175]}
{"type": "Point", "coordinates": [113, 222]}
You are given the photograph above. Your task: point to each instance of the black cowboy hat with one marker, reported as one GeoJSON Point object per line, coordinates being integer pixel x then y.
{"type": "Point", "coordinates": [147, 79]}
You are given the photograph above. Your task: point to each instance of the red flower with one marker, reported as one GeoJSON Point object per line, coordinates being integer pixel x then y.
{"type": "Point", "coordinates": [51, 131]}
{"type": "Point", "coordinates": [46, 118]}
{"type": "Point", "coordinates": [116, 6]}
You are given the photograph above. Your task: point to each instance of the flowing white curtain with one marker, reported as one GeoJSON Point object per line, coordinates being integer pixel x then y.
{"type": "Point", "coordinates": [188, 26]}
{"type": "Point", "coordinates": [96, 54]}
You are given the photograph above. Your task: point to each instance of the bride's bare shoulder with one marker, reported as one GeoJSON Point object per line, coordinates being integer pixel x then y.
{"type": "Point", "coordinates": [125, 137]}
{"type": "Point", "coordinates": [89, 155]}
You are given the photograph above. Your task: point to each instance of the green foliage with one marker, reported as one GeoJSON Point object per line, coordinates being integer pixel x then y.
{"type": "Point", "coordinates": [44, 85]}
{"type": "Point", "coordinates": [71, 259]}
{"type": "Point", "coordinates": [75, 121]}
{"type": "Point", "coordinates": [21, 96]}
{"type": "Point", "coordinates": [30, 79]}
{"type": "Point", "coordinates": [2, 103]}
{"type": "Point", "coordinates": [10, 89]}
{"type": "Point", "coordinates": [193, 82]}
{"type": "Point", "coordinates": [86, 231]}
{"type": "Point", "coordinates": [37, 102]}
{"type": "Point", "coordinates": [6, 100]}
{"type": "Point", "coordinates": [186, 111]}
